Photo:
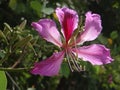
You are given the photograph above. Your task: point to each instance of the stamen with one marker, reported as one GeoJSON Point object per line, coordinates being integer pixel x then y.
{"type": "Point", "coordinates": [73, 58]}
{"type": "Point", "coordinates": [73, 61]}
{"type": "Point", "coordinates": [76, 57]}
{"type": "Point", "coordinates": [69, 62]}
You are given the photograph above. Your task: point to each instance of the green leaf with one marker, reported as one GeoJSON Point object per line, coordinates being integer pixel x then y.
{"type": "Point", "coordinates": [3, 36]}
{"type": "Point", "coordinates": [47, 11]}
{"type": "Point", "coordinates": [31, 89]}
{"type": "Point", "coordinates": [114, 35]}
{"type": "Point", "coordinates": [8, 27]}
{"type": "Point", "coordinates": [12, 4]}
{"type": "Point", "coordinates": [65, 71]}
{"type": "Point", "coordinates": [116, 5]}
{"type": "Point", "coordinates": [22, 25]}
{"type": "Point", "coordinates": [103, 39]}
{"type": "Point", "coordinates": [22, 42]}
{"type": "Point", "coordinates": [3, 81]}
{"type": "Point", "coordinates": [31, 46]}
{"type": "Point", "coordinates": [97, 69]}
{"type": "Point", "coordinates": [35, 5]}
{"type": "Point", "coordinates": [2, 55]}
{"type": "Point", "coordinates": [20, 7]}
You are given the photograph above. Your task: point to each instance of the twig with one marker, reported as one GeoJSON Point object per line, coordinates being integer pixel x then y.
{"type": "Point", "coordinates": [15, 69]}
{"type": "Point", "coordinates": [12, 80]}
{"type": "Point", "coordinates": [19, 59]}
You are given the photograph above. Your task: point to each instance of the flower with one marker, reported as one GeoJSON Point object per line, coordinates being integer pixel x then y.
{"type": "Point", "coordinates": [96, 54]}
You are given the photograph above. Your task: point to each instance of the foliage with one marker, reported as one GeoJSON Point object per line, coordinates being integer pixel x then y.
{"type": "Point", "coordinates": [3, 81]}
{"type": "Point", "coordinates": [21, 47]}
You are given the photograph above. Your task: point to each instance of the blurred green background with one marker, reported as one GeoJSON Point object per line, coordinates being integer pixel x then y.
{"type": "Point", "coordinates": [21, 46]}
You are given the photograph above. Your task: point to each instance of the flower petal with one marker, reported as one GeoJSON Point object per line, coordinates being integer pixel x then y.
{"type": "Point", "coordinates": [92, 28]}
{"type": "Point", "coordinates": [49, 66]}
{"type": "Point", "coordinates": [96, 54]}
{"type": "Point", "coordinates": [47, 29]}
{"type": "Point", "coordinates": [68, 19]}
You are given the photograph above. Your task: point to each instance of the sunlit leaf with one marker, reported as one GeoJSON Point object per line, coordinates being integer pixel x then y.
{"type": "Point", "coordinates": [3, 81]}
{"type": "Point", "coordinates": [3, 36]}
{"type": "Point", "coordinates": [31, 89]}
{"type": "Point", "coordinates": [116, 5]}
{"type": "Point", "coordinates": [22, 25]}
{"type": "Point", "coordinates": [8, 27]}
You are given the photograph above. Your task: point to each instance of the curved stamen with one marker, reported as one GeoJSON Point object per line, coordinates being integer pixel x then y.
{"type": "Point", "coordinates": [71, 59]}
{"type": "Point", "coordinates": [73, 62]}
{"type": "Point", "coordinates": [69, 64]}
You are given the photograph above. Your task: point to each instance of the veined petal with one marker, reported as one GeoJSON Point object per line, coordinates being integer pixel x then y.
{"type": "Point", "coordinates": [92, 28]}
{"type": "Point", "coordinates": [47, 29]}
{"type": "Point", "coordinates": [96, 54]}
{"type": "Point", "coordinates": [49, 66]}
{"type": "Point", "coordinates": [68, 19]}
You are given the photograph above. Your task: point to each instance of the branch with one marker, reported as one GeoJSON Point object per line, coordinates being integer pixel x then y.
{"type": "Point", "coordinates": [15, 69]}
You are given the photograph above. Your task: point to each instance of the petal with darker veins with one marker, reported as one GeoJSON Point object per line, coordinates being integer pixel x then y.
{"type": "Point", "coordinates": [92, 28]}
{"type": "Point", "coordinates": [96, 54]}
{"type": "Point", "coordinates": [48, 30]}
{"type": "Point", "coordinates": [49, 66]}
{"type": "Point", "coordinates": [68, 19]}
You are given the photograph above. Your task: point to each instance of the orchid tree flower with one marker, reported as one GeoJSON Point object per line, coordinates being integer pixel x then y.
{"type": "Point", "coordinates": [71, 47]}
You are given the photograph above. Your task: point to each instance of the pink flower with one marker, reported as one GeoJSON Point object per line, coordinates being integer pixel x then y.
{"type": "Point", "coordinates": [96, 54]}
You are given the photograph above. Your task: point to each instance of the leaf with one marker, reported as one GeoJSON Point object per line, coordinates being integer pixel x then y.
{"type": "Point", "coordinates": [22, 25]}
{"type": "Point", "coordinates": [31, 88]}
{"type": "Point", "coordinates": [3, 36]}
{"type": "Point", "coordinates": [114, 35]}
{"type": "Point", "coordinates": [103, 39]}
{"type": "Point", "coordinates": [22, 42]}
{"type": "Point", "coordinates": [8, 27]}
{"type": "Point", "coordinates": [2, 55]}
{"type": "Point", "coordinates": [12, 4]}
{"type": "Point", "coordinates": [31, 46]}
{"type": "Point", "coordinates": [35, 5]}
{"type": "Point", "coordinates": [47, 11]}
{"type": "Point", "coordinates": [3, 81]}
{"type": "Point", "coordinates": [116, 5]}
{"type": "Point", "coordinates": [65, 71]}
{"type": "Point", "coordinates": [97, 69]}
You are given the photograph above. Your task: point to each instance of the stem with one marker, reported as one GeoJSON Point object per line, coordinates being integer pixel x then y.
{"type": "Point", "coordinates": [12, 80]}
{"type": "Point", "coordinates": [15, 69]}
{"type": "Point", "coordinates": [19, 60]}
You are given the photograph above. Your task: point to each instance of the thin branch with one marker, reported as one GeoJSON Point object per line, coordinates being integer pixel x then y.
{"type": "Point", "coordinates": [19, 59]}
{"type": "Point", "coordinates": [15, 69]}
{"type": "Point", "coordinates": [12, 80]}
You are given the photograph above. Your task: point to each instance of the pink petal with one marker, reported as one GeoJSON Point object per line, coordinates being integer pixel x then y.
{"type": "Point", "coordinates": [47, 29]}
{"type": "Point", "coordinates": [92, 28]}
{"type": "Point", "coordinates": [96, 54]}
{"type": "Point", "coordinates": [68, 19]}
{"type": "Point", "coordinates": [49, 66]}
